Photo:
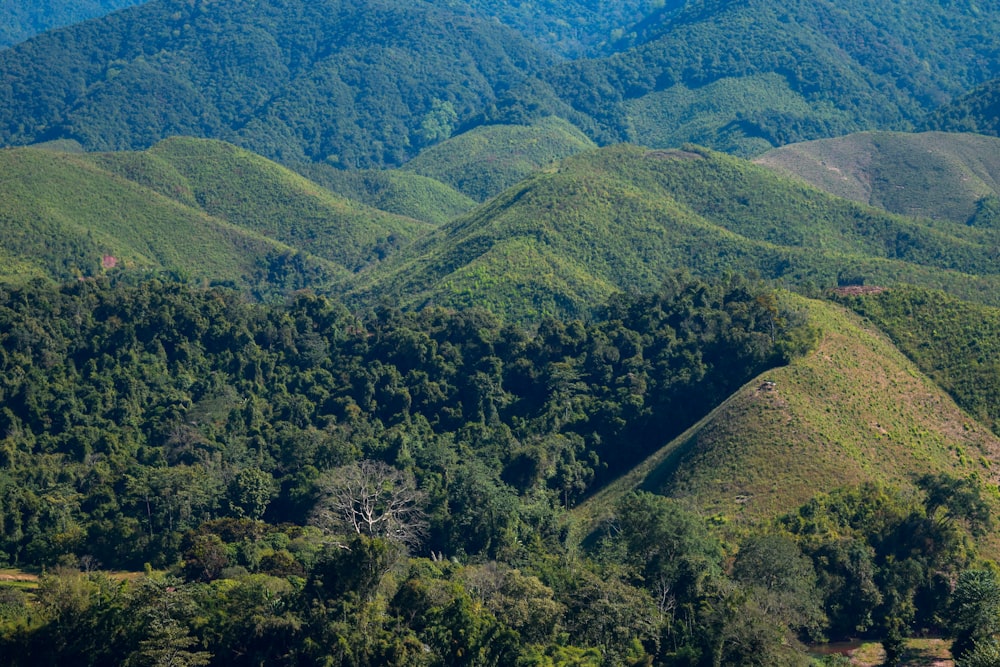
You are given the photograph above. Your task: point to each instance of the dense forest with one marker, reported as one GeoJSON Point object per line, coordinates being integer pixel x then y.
{"type": "Point", "coordinates": [361, 85]}
{"type": "Point", "coordinates": [304, 484]}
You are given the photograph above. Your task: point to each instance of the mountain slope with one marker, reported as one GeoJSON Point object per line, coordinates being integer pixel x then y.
{"type": "Point", "coordinates": [392, 190]}
{"type": "Point", "coordinates": [485, 161]}
{"type": "Point", "coordinates": [63, 217]}
{"type": "Point", "coordinates": [259, 195]}
{"type": "Point", "coordinates": [932, 174]}
{"type": "Point", "coordinates": [853, 410]}
{"type": "Point", "coordinates": [624, 217]}
{"type": "Point", "coordinates": [955, 342]}
{"type": "Point", "coordinates": [354, 83]}
{"type": "Point", "coordinates": [746, 76]}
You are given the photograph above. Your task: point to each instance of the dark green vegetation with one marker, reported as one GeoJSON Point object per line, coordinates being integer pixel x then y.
{"type": "Point", "coordinates": [952, 341]}
{"type": "Point", "coordinates": [353, 84]}
{"type": "Point", "coordinates": [745, 76]}
{"type": "Point", "coordinates": [228, 444]}
{"type": "Point", "coordinates": [20, 20]}
{"type": "Point", "coordinates": [949, 176]}
{"type": "Point", "coordinates": [622, 217]}
{"type": "Point", "coordinates": [371, 84]}
{"type": "Point", "coordinates": [571, 28]}
{"type": "Point", "coordinates": [978, 111]}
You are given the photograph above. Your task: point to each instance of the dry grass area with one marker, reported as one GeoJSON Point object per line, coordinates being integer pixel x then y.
{"type": "Point", "coordinates": [919, 653]}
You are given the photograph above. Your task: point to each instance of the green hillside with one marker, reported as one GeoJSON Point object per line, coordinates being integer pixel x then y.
{"type": "Point", "coordinates": [392, 190]}
{"type": "Point", "coordinates": [853, 410]}
{"type": "Point", "coordinates": [745, 76]}
{"type": "Point", "coordinates": [259, 195]}
{"type": "Point", "coordinates": [624, 217]}
{"type": "Point", "coordinates": [485, 161]}
{"type": "Point", "coordinates": [932, 174]}
{"type": "Point", "coordinates": [64, 218]}
{"type": "Point", "coordinates": [353, 83]}
{"type": "Point", "coordinates": [955, 342]}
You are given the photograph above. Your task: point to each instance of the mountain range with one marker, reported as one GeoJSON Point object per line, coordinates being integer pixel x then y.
{"type": "Point", "coordinates": [618, 297]}
{"type": "Point", "coordinates": [370, 84]}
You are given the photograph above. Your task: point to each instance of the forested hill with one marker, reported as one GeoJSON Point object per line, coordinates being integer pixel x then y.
{"type": "Point", "coordinates": [978, 111]}
{"type": "Point", "coordinates": [22, 20]}
{"type": "Point", "coordinates": [621, 217]}
{"type": "Point", "coordinates": [353, 83]}
{"type": "Point", "coordinates": [745, 76]}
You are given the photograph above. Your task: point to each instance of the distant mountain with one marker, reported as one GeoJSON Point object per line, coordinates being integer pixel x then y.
{"type": "Point", "coordinates": [22, 20]}
{"type": "Point", "coordinates": [352, 83]}
{"type": "Point", "coordinates": [932, 174]}
{"type": "Point", "coordinates": [194, 208]}
{"type": "Point", "coordinates": [746, 76]}
{"type": "Point", "coordinates": [371, 84]}
{"type": "Point", "coordinates": [853, 410]}
{"type": "Point", "coordinates": [623, 217]}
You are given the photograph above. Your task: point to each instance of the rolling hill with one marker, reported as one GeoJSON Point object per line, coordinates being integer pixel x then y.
{"type": "Point", "coordinates": [200, 209]}
{"type": "Point", "coordinates": [64, 218]}
{"type": "Point", "coordinates": [392, 190]}
{"type": "Point", "coordinates": [484, 161]}
{"type": "Point", "coordinates": [931, 174]}
{"type": "Point", "coordinates": [261, 196]}
{"type": "Point", "coordinates": [623, 217]}
{"type": "Point", "coordinates": [853, 410]}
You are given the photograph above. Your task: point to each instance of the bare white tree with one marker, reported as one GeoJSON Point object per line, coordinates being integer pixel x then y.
{"type": "Point", "coordinates": [371, 498]}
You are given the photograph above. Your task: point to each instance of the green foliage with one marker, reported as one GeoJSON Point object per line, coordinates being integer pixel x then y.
{"type": "Point", "coordinates": [485, 161]}
{"type": "Point", "coordinates": [396, 191]}
{"type": "Point", "coordinates": [977, 111]}
{"type": "Point", "coordinates": [779, 73]}
{"type": "Point", "coordinates": [955, 342]}
{"type": "Point", "coordinates": [156, 408]}
{"type": "Point", "coordinates": [64, 218]}
{"type": "Point", "coordinates": [348, 83]}
{"type": "Point", "coordinates": [621, 218]}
